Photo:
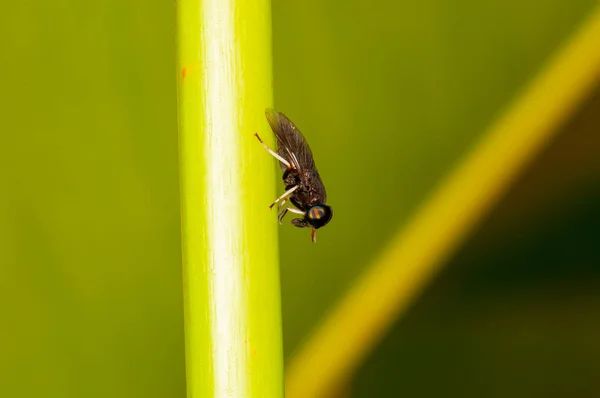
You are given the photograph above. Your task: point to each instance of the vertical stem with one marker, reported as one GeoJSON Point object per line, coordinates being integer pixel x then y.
{"type": "Point", "coordinates": [229, 237]}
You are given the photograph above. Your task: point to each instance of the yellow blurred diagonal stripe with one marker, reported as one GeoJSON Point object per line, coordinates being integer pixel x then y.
{"type": "Point", "coordinates": [417, 251]}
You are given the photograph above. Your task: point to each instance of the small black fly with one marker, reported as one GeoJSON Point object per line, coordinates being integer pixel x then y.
{"type": "Point", "coordinates": [303, 185]}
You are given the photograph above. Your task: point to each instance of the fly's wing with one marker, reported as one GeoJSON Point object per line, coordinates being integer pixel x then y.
{"type": "Point", "coordinates": [291, 145]}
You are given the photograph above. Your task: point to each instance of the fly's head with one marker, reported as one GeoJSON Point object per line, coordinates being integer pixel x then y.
{"type": "Point", "coordinates": [318, 216]}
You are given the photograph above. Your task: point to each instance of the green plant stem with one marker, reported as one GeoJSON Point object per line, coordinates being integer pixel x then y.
{"type": "Point", "coordinates": [229, 236]}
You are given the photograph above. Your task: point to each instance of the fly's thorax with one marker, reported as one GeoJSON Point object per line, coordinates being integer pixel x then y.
{"type": "Point", "coordinates": [307, 181]}
{"type": "Point", "coordinates": [291, 178]}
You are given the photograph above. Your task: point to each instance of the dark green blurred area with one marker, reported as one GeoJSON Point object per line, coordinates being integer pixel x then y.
{"type": "Point", "coordinates": [515, 312]}
{"type": "Point", "coordinates": [390, 96]}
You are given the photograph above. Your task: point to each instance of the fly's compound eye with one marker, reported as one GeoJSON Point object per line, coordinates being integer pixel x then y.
{"type": "Point", "coordinates": [319, 216]}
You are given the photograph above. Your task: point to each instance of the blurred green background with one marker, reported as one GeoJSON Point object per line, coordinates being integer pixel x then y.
{"type": "Point", "coordinates": [516, 311]}
{"type": "Point", "coordinates": [391, 96]}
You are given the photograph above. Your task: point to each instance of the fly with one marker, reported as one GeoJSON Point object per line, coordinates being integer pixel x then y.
{"type": "Point", "coordinates": [303, 185]}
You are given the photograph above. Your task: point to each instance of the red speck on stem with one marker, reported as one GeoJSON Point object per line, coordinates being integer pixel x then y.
{"type": "Point", "coordinates": [183, 73]}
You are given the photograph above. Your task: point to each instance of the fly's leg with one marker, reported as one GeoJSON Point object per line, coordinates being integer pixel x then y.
{"type": "Point", "coordinates": [283, 202]}
{"type": "Point", "coordinates": [273, 153]}
{"type": "Point", "coordinates": [285, 195]}
{"type": "Point", "coordinates": [283, 212]}
{"type": "Point", "coordinates": [300, 223]}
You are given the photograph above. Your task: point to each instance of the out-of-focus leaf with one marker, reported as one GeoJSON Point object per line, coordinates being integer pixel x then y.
{"type": "Point", "coordinates": [90, 263]}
